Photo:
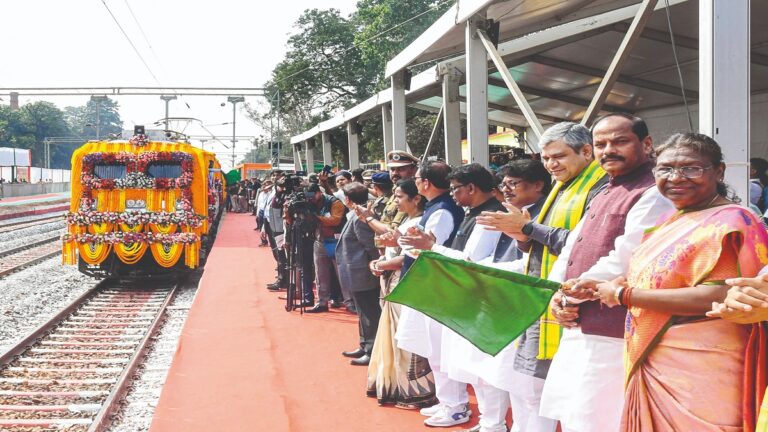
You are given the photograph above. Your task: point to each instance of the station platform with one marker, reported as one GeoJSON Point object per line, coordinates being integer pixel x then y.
{"type": "Point", "coordinates": [245, 364]}
{"type": "Point", "coordinates": [31, 205]}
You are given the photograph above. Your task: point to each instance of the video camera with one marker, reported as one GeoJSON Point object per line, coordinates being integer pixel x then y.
{"type": "Point", "coordinates": [290, 184]}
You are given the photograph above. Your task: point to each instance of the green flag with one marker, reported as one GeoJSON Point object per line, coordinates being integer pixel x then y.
{"type": "Point", "coordinates": [487, 306]}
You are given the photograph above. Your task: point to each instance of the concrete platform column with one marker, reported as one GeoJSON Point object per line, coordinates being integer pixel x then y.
{"type": "Point", "coordinates": [477, 91]}
{"type": "Point", "coordinates": [398, 111]}
{"type": "Point", "coordinates": [353, 143]}
{"type": "Point", "coordinates": [451, 116]}
{"type": "Point", "coordinates": [724, 81]}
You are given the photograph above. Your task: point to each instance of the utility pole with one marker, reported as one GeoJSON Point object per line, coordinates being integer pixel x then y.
{"type": "Point", "coordinates": [167, 100]}
{"type": "Point", "coordinates": [234, 100]}
{"type": "Point", "coordinates": [279, 135]}
{"type": "Point", "coordinates": [98, 100]}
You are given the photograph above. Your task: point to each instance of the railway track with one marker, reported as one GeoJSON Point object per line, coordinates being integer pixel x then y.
{"type": "Point", "coordinates": [13, 226]}
{"type": "Point", "coordinates": [72, 371]}
{"type": "Point", "coordinates": [15, 259]}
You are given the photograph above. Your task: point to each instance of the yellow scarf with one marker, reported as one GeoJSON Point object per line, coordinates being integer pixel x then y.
{"type": "Point", "coordinates": [565, 214]}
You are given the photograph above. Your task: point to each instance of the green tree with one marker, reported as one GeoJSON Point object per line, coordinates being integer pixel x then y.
{"type": "Point", "coordinates": [333, 62]}
{"type": "Point", "coordinates": [82, 119]}
{"type": "Point", "coordinates": [29, 126]}
{"type": "Point", "coordinates": [388, 26]}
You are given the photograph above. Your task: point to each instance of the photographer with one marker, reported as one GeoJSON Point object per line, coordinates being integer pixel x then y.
{"type": "Point", "coordinates": [273, 226]}
{"type": "Point", "coordinates": [331, 218]}
{"type": "Point", "coordinates": [302, 220]}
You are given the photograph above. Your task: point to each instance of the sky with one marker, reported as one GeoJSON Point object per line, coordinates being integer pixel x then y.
{"type": "Point", "coordinates": [226, 43]}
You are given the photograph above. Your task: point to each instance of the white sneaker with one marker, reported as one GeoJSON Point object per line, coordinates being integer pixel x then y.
{"type": "Point", "coordinates": [430, 411]}
{"type": "Point", "coordinates": [448, 416]}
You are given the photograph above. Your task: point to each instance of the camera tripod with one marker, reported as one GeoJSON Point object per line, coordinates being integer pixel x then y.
{"type": "Point", "coordinates": [299, 236]}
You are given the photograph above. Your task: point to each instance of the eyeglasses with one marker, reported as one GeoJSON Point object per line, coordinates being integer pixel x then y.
{"type": "Point", "coordinates": [511, 185]}
{"type": "Point", "coordinates": [455, 188]}
{"type": "Point", "coordinates": [688, 172]}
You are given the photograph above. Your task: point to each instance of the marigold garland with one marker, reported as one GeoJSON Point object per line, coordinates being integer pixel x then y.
{"type": "Point", "coordinates": [166, 255]}
{"type": "Point", "coordinates": [169, 227]}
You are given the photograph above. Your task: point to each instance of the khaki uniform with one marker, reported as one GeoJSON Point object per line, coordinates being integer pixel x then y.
{"type": "Point", "coordinates": [390, 215]}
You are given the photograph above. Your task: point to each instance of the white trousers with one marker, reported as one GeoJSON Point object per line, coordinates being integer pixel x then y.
{"type": "Point", "coordinates": [493, 404]}
{"type": "Point", "coordinates": [525, 398]}
{"type": "Point", "coordinates": [449, 392]}
{"type": "Point", "coordinates": [585, 385]}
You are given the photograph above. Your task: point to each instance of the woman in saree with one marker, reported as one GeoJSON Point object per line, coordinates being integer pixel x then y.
{"type": "Point", "coordinates": [397, 376]}
{"type": "Point", "coordinates": [684, 370]}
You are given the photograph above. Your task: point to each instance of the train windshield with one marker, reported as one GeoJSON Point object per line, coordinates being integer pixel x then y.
{"type": "Point", "coordinates": [109, 171]}
{"type": "Point", "coordinates": [164, 170]}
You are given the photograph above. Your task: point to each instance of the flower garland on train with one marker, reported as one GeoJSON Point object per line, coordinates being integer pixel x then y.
{"type": "Point", "coordinates": [94, 233]}
{"type": "Point", "coordinates": [135, 217]}
{"type": "Point", "coordinates": [129, 238]}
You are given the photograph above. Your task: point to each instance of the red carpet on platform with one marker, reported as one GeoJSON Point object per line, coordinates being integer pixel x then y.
{"type": "Point", "coordinates": [245, 364]}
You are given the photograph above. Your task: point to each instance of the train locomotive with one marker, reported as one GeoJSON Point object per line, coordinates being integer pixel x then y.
{"type": "Point", "coordinates": [142, 208]}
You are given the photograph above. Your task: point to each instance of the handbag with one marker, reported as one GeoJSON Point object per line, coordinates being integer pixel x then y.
{"type": "Point", "coordinates": [330, 247]}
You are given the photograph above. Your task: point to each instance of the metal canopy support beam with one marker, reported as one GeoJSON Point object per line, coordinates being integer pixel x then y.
{"type": "Point", "coordinates": [587, 70]}
{"type": "Point", "coordinates": [398, 111]}
{"type": "Point", "coordinates": [310, 154]}
{"type": "Point", "coordinates": [632, 35]}
{"type": "Point", "coordinates": [548, 94]}
{"type": "Point", "coordinates": [724, 80]}
{"type": "Point", "coordinates": [477, 91]}
{"type": "Point", "coordinates": [297, 157]}
{"type": "Point", "coordinates": [511, 110]}
{"type": "Point", "coordinates": [528, 113]}
{"type": "Point", "coordinates": [353, 142]}
{"type": "Point", "coordinates": [327, 153]}
{"type": "Point", "coordinates": [386, 128]}
{"type": "Point", "coordinates": [563, 34]}
{"type": "Point", "coordinates": [452, 117]}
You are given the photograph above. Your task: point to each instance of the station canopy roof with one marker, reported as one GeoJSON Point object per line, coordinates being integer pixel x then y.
{"type": "Point", "coordinates": [558, 53]}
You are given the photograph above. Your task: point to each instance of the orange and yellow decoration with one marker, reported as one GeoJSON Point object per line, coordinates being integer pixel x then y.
{"type": "Point", "coordinates": [174, 214]}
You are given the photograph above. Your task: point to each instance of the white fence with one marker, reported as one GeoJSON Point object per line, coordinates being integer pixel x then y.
{"type": "Point", "coordinates": [34, 174]}
{"type": "Point", "coordinates": [15, 157]}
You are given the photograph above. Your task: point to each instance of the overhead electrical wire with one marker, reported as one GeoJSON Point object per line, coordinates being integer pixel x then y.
{"type": "Point", "coordinates": [131, 43]}
{"type": "Point", "coordinates": [679, 69]}
{"type": "Point", "coordinates": [149, 44]}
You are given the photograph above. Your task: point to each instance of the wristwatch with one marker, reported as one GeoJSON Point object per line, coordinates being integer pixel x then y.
{"type": "Point", "coordinates": [527, 228]}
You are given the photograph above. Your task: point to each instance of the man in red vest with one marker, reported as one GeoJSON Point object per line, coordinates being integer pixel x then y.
{"type": "Point", "coordinates": [584, 388]}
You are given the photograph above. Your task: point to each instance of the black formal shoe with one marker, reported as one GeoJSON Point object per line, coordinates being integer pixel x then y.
{"type": "Point", "coordinates": [317, 308]}
{"type": "Point", "coordinates": [354, 354]}
{"type": "Point", "coordinates": [362, 361]}
{"type": "Point", "coordinates": [335, 304]}
{"type": "Point", "coordinates": [308, 304]}
{"type": "Point", "coordinates": [275, 286]}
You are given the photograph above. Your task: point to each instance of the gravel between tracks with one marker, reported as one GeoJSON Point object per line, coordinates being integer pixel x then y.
{"type": "Point", "coordinates": [23, 236]}
{"type": "Point", "coordinates": [139, 404]}
{"type": "Point", "coordinates": [32, 296]}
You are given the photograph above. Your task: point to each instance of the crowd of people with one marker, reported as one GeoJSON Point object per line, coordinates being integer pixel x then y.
{"type": "Point", "coordinates": [658, 326]}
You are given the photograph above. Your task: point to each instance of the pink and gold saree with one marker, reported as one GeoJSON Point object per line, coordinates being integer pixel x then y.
{"type": "Point", "coordinates": [694, 373]}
